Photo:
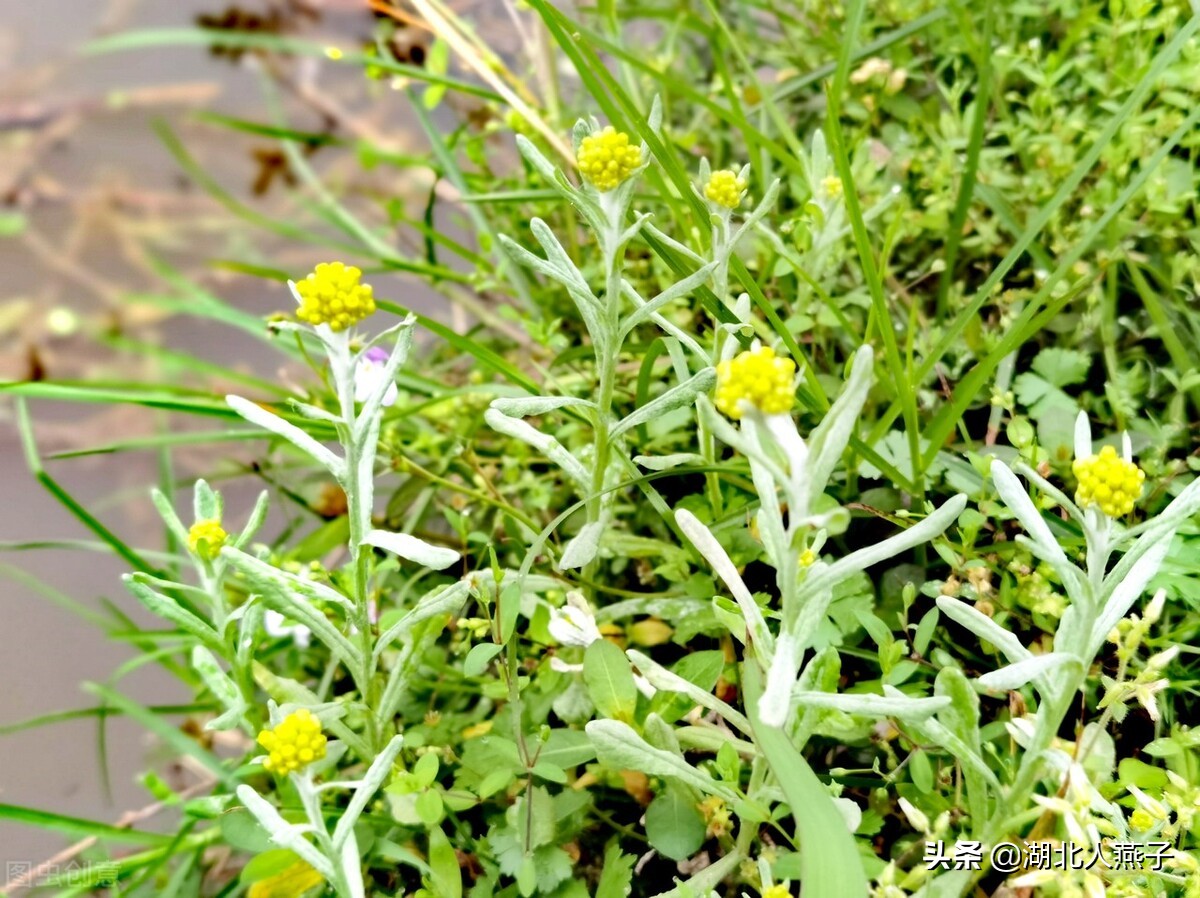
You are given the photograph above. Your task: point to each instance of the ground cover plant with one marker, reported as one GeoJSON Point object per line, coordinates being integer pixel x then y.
{"type": "Point", "coordinates": [807, 503]}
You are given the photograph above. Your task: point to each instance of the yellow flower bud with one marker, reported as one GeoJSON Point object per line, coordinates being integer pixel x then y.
{"type": "Point", "coordinates": [294, 744]}
{"type": "Point", "coordinates": [758, 378]}
{"type": "Point", "coordinates": [607, 158]}
{"type": "Point", "coordinates": [334, 295]}
{"type": "Point", "coordinates": [205, 538]}
{"type": "Point", "coordinates": [1109, 482]}
{"type": "Point", "coordinates": [725, 188]}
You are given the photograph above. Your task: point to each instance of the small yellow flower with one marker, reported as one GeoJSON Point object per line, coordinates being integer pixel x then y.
{"type": "Point", "coordinates": [756, 377]}
{"type": "Point", "coordinates": [205, 538]}
{"type": "Point", "coordinates": [294, 744]}
{"type": "Point", "coordinates": [717, 816]}
{"type": "Point", "coordinates": [725, 188]}
{"type": "Point", "coordinates": [808, 558]}
{"type": "Point", "coordinates": [607, 158]}
{"type": "Point", "coordinates": [1109, 482]}
{"type": "Point", "coordinates": [779, 890]}
{"type": "Point", "coordinates": [833, 186]}
{"type": "Point", "coordinates": [291, 881]}
{"type": "Point", "coordinates": [334, 295]}
{"type": "Point", "coordinates": [1141, 819]}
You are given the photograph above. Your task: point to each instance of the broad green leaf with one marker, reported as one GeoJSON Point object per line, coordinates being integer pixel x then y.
{"type": "Point", "coordinates": [609, 680]}
{"type": "Point", "coordinates": [829, 857]}
{"type": "Point", "coordinates": [674, 825]}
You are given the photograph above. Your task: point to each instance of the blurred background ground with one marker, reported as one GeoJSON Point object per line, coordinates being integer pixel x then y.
{"type": "Point", "coordinates": [91, 204]}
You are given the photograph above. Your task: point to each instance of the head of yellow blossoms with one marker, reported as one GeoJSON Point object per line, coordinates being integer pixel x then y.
{"type": "Point", "coordinates": [295, 743]}
{"type": "Point", "coordinates": [607, 158]}
{"type": "Point", "coordinates": [1109, 482]}
{"type": "Point", "coordinates": [333, 294]}
{"type": "Point", "coordinates": [725, 188]}
{"type": "Point", "coordinates": [205, 538]}
{"type": "Point", "coordinates": [779, 890]}
{"type": "Point", "coordinates": [758, 378]}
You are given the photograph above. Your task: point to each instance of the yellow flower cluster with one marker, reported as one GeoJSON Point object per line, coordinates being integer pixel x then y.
{"type": "Point", "coordinates": [725, 188]}
{"type": "Point", "coordinates": [205, 538]}
{"type": "Point", "coordinates": [294, 744]}
{"type": "Point", "coordinates": [757, 377]}
{"type": "Point", "coordinates": [779, 890]}
{"type": "Point", "coordinates": [717, 816]}
{"type": "Point", "coordinates": [334, 295]}
{"type": "Point", "coordinates": [607, 158]}
{"type": "Point", "coordinates": [1108, 482]}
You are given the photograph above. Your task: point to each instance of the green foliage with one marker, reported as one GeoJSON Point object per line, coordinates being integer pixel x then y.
{"type": "Point", "coordinates": [570, 630]}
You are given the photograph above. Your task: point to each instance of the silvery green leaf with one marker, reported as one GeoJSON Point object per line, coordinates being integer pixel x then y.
{"type": "Point", "coordinates": [441, 601]}
{"type": "Point", "coordinates": [313, 413]}
{"type": "Point", "coordinates": [167, 511]}
{"type": "Point", "coordinates": [535, 158]}
{"type": "Point", "coordinates": [654, 119]}
{"type": "Point", "coordinates": [268, 421]}
{"type": "Point", "coordinates": [366, 425]}
{"type": "Point", "coordinates": [706, 544]}
{"type": "Point", "coordinates": [412, 549]}
{"type": "Point", "coordinates": [703, 883]}
{"type": "Point", "coordinates": [934, 731]}
{"type": "Point", "coordinates": [206, 503]}
{"type": "Point", "coordinates": [661, 678]}
{"type": "Point", "coordinates": [221, 687]}
{"type": "Point", "coordinates": [782, 429]}
{"type": "Point", "coordinates": [1183, 506]}
{"type": "Point", "coordinates": [1130, 588]}
{"type": "Point", "coordinates": [711, 738]}
{"type": "Point", "coordinates": [1083, 436]}
{"type": "Point", "coordinates": [660, 734]}
{"type": "Point", "coordinates": [583, 546]}
{"type": "Point", "coordinates": [277, 592]}
{"type": "Point", "coordinates": [380, 769]}
{"type": "Point", "coordinates": [249, 623]}
{"type": "Point", "coordinates": [764, 206]}
{"type": "Point", "coordinates": [1049, 489]}
{"type": "Point", "coordinates": [666, 462]}
{"type": "Point", "coordinates": [984, 627]}
{"type": "Point", "coordinates": [720, 427]}
{"type": "Point", "coordinates": [675, 291]}
{"type": "Point", "coordinates": [560, 260]}
{"type": "Point", "coordinates": [168, 609]}
{"type": "Point", "coordinates": [524, 406]}
{"type": "Point", "coordinates": [304, 589]}
{"type": "Point", "coordinates": [828, 441]}
{"type": "Point", "coordinates": [686, 339]}
{"type": "Point", "coordinates": [900, 706]}
{"type": "Point", "coordinates": [921, 532]}
{"type": "Point", "coordinates": [351, 864]}
{"type": "Point", "coordinates": [676, 397]}
{"type": "Point", "coordinates": [257, 515]}
{"type": "Point", "coordinates": [686, 251]}
{"type": "Point", "coordinates": [620, 747]}
{"type": "Point", "coordinates": [776, 705]}
{"type": "Point", "coordinates": [1014, 496]}
{"type": "Point", "coordinates": [1014, 676]}
{"type": "Point", "coordinates": [544, 443]}
{"type": "Point", "coordinates": [284, 834]}
{"type": "Point", "coordinates": [537, 263]}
